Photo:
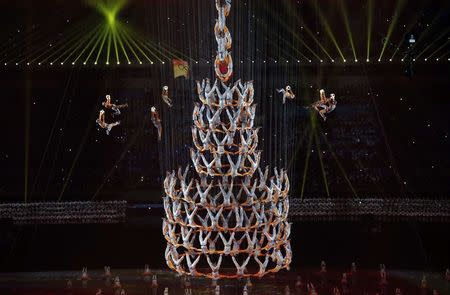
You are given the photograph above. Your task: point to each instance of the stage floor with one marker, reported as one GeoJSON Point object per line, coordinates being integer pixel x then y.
{"type": "Point", "coordinates": [133, 282]}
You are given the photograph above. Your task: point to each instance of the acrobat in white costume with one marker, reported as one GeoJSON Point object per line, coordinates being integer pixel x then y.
{"type": "Point", "coordinates": [115, 107]}
{"type": "Point", "coordinates": [156, 121]}
{"type": "Point", "coordinates": [287, 93]}
{"type": "Point", "coordinates": [228, 210]}
{"type": "Point", "coordinates": [102, 124]}
{"type": "Point", "coordinates": [165, 96]}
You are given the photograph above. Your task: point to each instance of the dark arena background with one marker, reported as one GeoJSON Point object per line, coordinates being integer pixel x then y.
{"type": "Point", "coordinates": [370, 185]}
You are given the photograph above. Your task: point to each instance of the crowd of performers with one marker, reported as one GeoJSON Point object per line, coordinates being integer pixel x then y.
{"type": "Point", "coordinates": [348, 283]}
{"type": "Point", "coordinates": [324, 106]}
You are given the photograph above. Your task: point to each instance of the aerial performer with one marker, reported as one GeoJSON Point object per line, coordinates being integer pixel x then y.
{"type": "Point", "coordinates": [156, 121]}
{"type": "Point", "coordinates": [115, 108]}
{"type": "Point", "coordinates": [325, 105]}
{"type": "Point", "coordinates": [107, 126]}
{"type": "Point", "coordinates": [165, 96]}
{"type": "Point", "coordinates": [287, 93]}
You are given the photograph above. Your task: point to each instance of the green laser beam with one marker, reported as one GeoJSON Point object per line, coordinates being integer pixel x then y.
{"type": "Point", "coordinates": [129, 46]}
{"type": "Point", "coordinates": [102, 44]}
{"type": "Point", "coordinates": [347, 27]}
{"type": "Point", "coordinates": [439, 48]}
{"type": "Point", "coordinates": [95, 39]}
{"type": "Point", "coordinates": [369, 26]}
{"type": "Point", "coordinates": [398, 8]}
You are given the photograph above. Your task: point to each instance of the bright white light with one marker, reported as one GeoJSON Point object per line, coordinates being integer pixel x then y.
{"type": "Point", "coordinates": [356, 60]}
{"type": "Point", "coordinates": [367, 60]}
{"type": "Point", "coordinates": [118, 62]}
{"type": "Point", "coordinates": [345, 60]}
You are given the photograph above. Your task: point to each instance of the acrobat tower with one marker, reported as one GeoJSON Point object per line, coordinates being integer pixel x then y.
{"type": "Point", "coordinates": [228, 218]}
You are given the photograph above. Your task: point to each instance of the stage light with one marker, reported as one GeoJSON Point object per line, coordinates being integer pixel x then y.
{"type": "Point", "coordinates": [253, 61]}
{"type": "Point", "coordinates": [129, 62]}
{"type": "Point", "coordinates": [118, 62]}
{"type": "Point", "coordinates": [321, 60]}
{"type": "Point", "coordinates": [287, 61]}
{"type": "Point", "coordinates": [390, 59]}
{"type": "Point", "coordinates": [84, 63]}
{"type": "Point", "coordinates": [379, 60]}
{"type": "Point", "coordinates": [426, 59]}
{"type": "Point", "coordinates": [403, 60]}
{"type": "Point", "coordinates": [298, 61]}
{"type": "Point", "coordinates": [414, 59]}
{"type": "Point", "coordinates": [28, 63]}
{"type": "Point", "coordinates": [62, 63]}
{"type": "Point", "coordinates": [39, 64]}
{"type": "Point", "coordinates": [332, 60]}
{"type": "Point", "coordinates": [437, 59]}
{"type": "Point", "coordinates": [310, 61]}
{"type": "Point", "coordinates": [345, 60]}
{"type": "Point", "coordinates": [152, 62]}
{"type": "Point", "coordinates": [73, 63]}
{"type": "Point", "coordinates": [51, 63]}
{"type": "Point", "coordinates": [95, 63]}
{"type": "Point", "coordinates": [264, 61]}
{"type": "Point", "coordinates": [196, 62]}
{"type": "Point", "coordinates": [275, 61]}
{"type": "Point", "coordinates": [164, 62]}
{"type": "Point", "coordinates": [367, 60]}
{"type": "Point", "coordinates": [107, 63]}
{"type": "Point", "coordinates": [356, 60]}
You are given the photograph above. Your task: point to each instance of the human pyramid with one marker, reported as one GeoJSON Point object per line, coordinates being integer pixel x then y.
{"type": "Point", "coordinates": [228, 219]}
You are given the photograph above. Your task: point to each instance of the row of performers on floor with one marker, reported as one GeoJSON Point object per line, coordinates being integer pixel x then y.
{"type": "Point", "coordinates": [323, 106]}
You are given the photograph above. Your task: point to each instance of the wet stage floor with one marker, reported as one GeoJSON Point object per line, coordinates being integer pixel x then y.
{"type": "Point", "coordinates": [286, 282]}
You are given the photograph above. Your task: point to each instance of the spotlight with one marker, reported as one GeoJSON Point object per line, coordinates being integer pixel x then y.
{"type": "Point", "coordinates": [118, 62]}
{"type": "Point", "coordinates": [275, 61]}
{"type": "Point", "coordinates": [437, 59]}
{"type": "Point", "coordinates": [141, 62]}
{"type": "Point", "coordinates": [298, 61]}
{"type": "Point", "coordinates": [62, 63]}
{"type": "Point", "coordinates": [379, 60]}
{"type": "Point", "coordinates": [403, 60]}
{"type": "Point", "coordinates": [73, 63]}
{"type": "Point", "coordinates": [51, 63]}
{"type": "Point", "coordinates": [332, 60]}
{"type": "Point", "coordinates": [310, 60]}
{"type": "Point", "coordinates": [345, 60]}
{"type": "Point", "coordinates": [356, 60]}
{"type": "Point", "coordinates": [152, 62]}
{"type": "Point", "coordinates": [414, 59]}
{"type": "Point", "coordinates": [107, 63]}
{"type": "Point", "coordinates": [17, 64]}
{"type": "Point", "coordinates": [426, 59]}
{"type": "Point", "coordinates": [321, 60]}
{"type": "Point", "coordinates": [84, 63]}
{"type": "Point", "coordinates": [367, 60]}
{"type": "Point", "coordinates": [164, 62]}
{"type": "Point", "coordinates": [196, 62]}
{"type": "Point", "coordinates": [253, 61]}
{"type": "Point", "coordinates": [264, 61]}
{"type": "Point", "coordinates": [129, 62]}
{"type": "Point", "coordinates": [95, 63]}
{"type": "Point", "coordinates": [390, 59]}
{"type": "Point", "coordinates": [28, 63]}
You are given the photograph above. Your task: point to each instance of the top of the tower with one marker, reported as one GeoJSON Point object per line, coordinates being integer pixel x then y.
{"type": "Point", "coordinates": [223, 64]}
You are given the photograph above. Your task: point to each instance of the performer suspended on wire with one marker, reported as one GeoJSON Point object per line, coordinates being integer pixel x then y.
{"type": "Point", "coordinates": [115, 108]}
{"type": "Point", "coordinates": [325, 105]}
{"type": "Point", "coordinates": [156, 121]}
{"type": "Point", "coordinates": [101, 122]}
{"type": "Point", "coordinates": [287, 93]}
{"type": "Point", "coordinates": [165, 96]}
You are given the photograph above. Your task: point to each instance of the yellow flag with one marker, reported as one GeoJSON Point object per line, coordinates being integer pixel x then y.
{"type": "Point", "coordinates": [180, 68]}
